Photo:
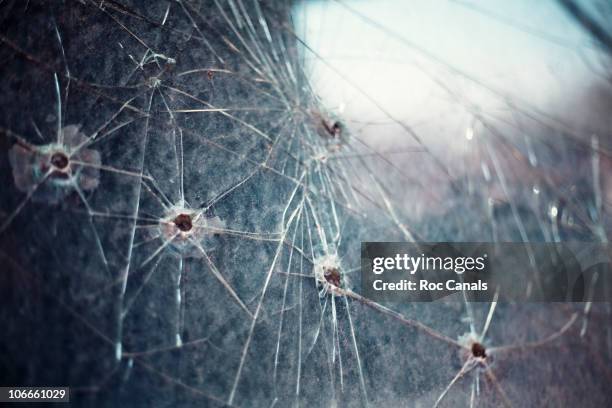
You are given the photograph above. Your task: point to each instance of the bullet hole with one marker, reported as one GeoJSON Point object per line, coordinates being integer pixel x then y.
{"type": "Point", "coordinates": [183, 222]}
{"type": "Point", "coordinates": [188, 230]}
{"type": "Point", "coordinates": [478, 350]}
{"type": "Point", "coordinates": [59, 160]}
{"type": "Point", "coordinates": [332, 276]}
{"type": "Point", "coordinates": [336, 128]}
{"type": "Point", "coordinates": [328, 274]}
{"type": "Point", "coordinates": [333, 129]}
{"type": "Point", "coordinates": [53, 170]}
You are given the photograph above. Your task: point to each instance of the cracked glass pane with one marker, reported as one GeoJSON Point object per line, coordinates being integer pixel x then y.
{"type": "Point", "coordinates": [186, 184]}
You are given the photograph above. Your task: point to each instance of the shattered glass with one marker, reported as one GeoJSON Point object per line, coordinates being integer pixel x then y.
{"type": "Point", "coordinates": [186, 184]}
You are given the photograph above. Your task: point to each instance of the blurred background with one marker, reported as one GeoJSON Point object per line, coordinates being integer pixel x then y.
{"type": "Point", "coordinates": [185, 186]}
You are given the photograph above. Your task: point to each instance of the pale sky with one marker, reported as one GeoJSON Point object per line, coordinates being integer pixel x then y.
{"type": "Point", "coordinates": [528, 50]}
